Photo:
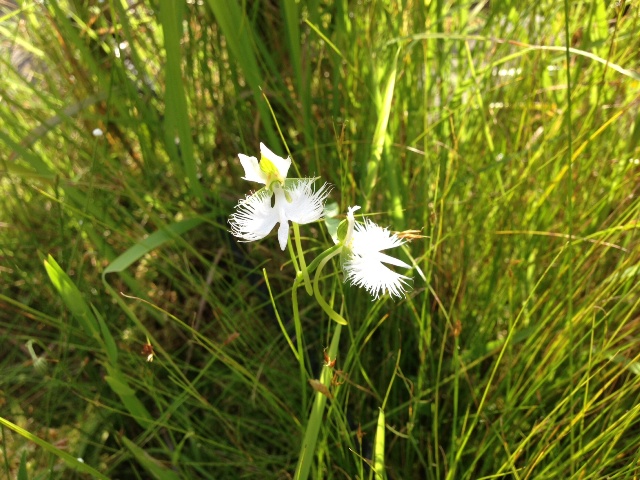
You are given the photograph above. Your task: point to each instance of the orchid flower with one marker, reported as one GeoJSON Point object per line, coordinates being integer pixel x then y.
{"type": "Point", "coordinates": [363, 262]}
{"type": "Point", "coordinates": [295, 199]}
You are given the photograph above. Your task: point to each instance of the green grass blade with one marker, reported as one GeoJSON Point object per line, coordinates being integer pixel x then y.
{"type": "Point", "coordinates": [150, 464]}
{"type": "Point", "coordinates": [22, 469]}
{"type": "Point", "coordinates": [177, 119]}
{"type": "Point", "coordinates": [72, 298]}
{"type": "Point", "coordinates": [71, 461]}
{"type": "Point", "coordinates": [110, 346]}
{"type": "Point", "coordinates": [118, 383]}
{"type": "Point", "coordinates": [240, 39]}
{"type": "Point", "coordinates": [307, 451]}
{"type": "Point", "coordinates": [150, 243]}
{"type": "Point", "coordinates": [380, 136]}
{"type": "Point", "coordinates": [379, 448]}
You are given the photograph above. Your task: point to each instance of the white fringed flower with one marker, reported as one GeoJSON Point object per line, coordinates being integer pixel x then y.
{"type": "Point", "coordinates": [363, 261]}
{"type": "Point", "coordinates": [295, 200]}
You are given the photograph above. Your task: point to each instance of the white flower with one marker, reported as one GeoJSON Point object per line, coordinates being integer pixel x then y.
{"type": "Point", "coordinates": [271, 167]}
{"type": "Point", "coordinates": [295, 199]}
{"type": "Point", "coordinates": [257, 214]}
{"type": "Point", "coordinates": [363, 261]}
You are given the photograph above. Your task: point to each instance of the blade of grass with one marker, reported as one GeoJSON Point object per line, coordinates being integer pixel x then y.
{"type": "Point", "coordinates": [307, 450]}
{"type": "Point", "coordinates": [379, 138]}
{"type": "Point", "coordinates": [150, 464]}
{"type": "Point", "coordinates": [177, 120]}
{"type": "Point", "coordinates": [240, 39]}
{"type": "Point", "coordinates": [71, 461]}
{"type": "Point", "coordinates": [379, 449]}
{"type": "Point", "coordinates": [153, 241]}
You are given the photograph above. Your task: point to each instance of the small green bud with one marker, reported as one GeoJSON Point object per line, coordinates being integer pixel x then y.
{"type": "Point", "coordinates": [342, 230]}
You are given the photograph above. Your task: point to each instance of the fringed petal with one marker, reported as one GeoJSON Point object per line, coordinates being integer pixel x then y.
{"type": "Point", "coordinates": [364, 265]}
{"type": "Point", "coordinates": [374, 276]}
{"type": "Point", "coordinates": [254, 217]}
{"type": "Point", "coordinates": [306, 205]}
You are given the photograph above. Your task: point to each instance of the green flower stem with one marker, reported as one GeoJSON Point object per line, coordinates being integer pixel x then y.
{"type": "Point", "coordinates": [329, 251]}
{"type": "Point", "coordinates": [315, 418]}
{"type": "Point", "coordinates": [317, 262]}
{"type": "Point", "coordinates": [333, 315]}
{"type": "Point", "coordinates": [293, 255]}
{"type": "Point", "coordinates": [299, 349]}
{"type": "Point", "coordinates": [298, 327]}
{"type": "Point", "coordinates": [303, 265]}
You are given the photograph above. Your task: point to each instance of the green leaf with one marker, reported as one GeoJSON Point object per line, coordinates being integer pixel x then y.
{"type": "Point", "coordinates": [177, 119]}
{"type": "Point", "coordinates": [150, 464]}
{"type": "Point", "coordinates": [380, 133]}
{"type": "Point", "coordinates": [378, 456]}
{"type": "Point", "coordinates": [239, 37]}
{"type": "Point", "coordinates": [119, 386]}
{"type": "Point", "coordinates": [150, 243]}
{"type": "Point", "coordinates": [134, 406]}
{"type": "Point", "coordinates": [109, 341]}
{"type": "Point", "coordinates": [70, 460]}
{"type": "Point", "coordinates": [22, 470]}
{"type": "Point", "coordinates": [72, 297]}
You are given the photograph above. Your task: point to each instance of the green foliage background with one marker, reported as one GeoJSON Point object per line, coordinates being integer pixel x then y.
{"type": "Point", "coordinates": [506, 132]}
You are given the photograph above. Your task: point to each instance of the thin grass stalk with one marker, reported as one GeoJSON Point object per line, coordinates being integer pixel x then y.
{"type": "Point", "coordinates": [307, 452]}
{"type": "Point", "coordinates": [570, 228]}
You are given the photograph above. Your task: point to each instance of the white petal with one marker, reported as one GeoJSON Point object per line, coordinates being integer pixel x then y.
{"type": "Point", "coordinates": [306, 206]}
{"type": "Point", "coordinates": [351, 210]}
{"type": "Point", "coordinates": [282, 164]}
{"type": "Point", "coordinates": [252, 171]}
{"type": "Point", "coordinates": [351, 220]}
{"type": "Point", "coordinates": [283, 235]}
{"type": "Point", "coordinates": [365, 266]}
{"type": "Point", "coordinates": [280, 207]}
{"type": "Point", "coordinates": [372, 237]}
{"type": "Point", "coordinates": [376, 278]}
{"type": "Point", "coordinates": [254, 217]}
{"type": "Point", "coordinates": [383, 257]}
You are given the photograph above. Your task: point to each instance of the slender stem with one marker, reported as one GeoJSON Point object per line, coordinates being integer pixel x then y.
{"type": "Point", "coordinates": [296, 353]}
{"type": "Point", "coordinates": [299, 349]}
{"type": "Point", "coordinates": [299, 341]}
{"type": "Point", "coordinates": [329, 251]}
{"type": "Point", "coordinates": [569, 217]}
{"type": "Point", "coordinates": [303, 265]}
{"type": "Point", "coordinates": [293, 255]}
{"type": "Point", "coordinates": [315, 417]}
{"type": "Point", "coordinates": [333, 315]}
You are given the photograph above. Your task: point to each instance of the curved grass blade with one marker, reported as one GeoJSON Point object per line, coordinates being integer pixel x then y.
{"type": "Point", "coordinates": [72, 298]}
{"type": "Point", "coordinates": [177, 111]}
{"type": "Point", "coordinates": [378, 456]}
{"type": "Point", "coordinates": [71, 461]}
{"type": "Point", "coordinates": [150, 243]}
{"type": "Point", "coordinates": [150, 464]}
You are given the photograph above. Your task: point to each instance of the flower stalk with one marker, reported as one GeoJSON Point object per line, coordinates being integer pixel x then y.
{"type": "Point", "coordinates": [333, 315]}
{"type": "Point", "coordinates": [303, 264]}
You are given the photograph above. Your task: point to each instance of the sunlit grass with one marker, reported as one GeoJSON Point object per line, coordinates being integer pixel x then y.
{"type": "Point", "coordinates": [515, 354]}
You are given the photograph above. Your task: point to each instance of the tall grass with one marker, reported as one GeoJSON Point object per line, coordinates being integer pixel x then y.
{"type": "Point", "coordinates": [506, 132]}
